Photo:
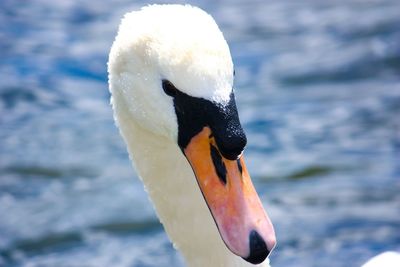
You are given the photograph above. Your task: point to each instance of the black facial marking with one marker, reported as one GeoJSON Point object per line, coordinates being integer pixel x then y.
{"type": "Point", "coordinates": [194, 113]}
{"type": "Point", "coordinates": [228, 133]}
{"type": "Point", "coordinates": [239, 166]}
{"type": "Point", "coordinates": [218, 164]}
{"type": "Point", "coordinates": [169, 88]}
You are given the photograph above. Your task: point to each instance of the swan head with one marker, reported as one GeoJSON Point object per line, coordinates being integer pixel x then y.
{"type": "Point", "coordinates": [172, 67]}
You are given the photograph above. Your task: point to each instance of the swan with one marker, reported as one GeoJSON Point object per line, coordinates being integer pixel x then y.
{"type": "Point", "coordinates": [171, 82]}
{"type": "Point", "coordinates": [385, 259]}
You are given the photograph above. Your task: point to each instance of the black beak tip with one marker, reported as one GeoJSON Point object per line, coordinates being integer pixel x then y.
{"type": "Point", "coordinates": [258, 249]}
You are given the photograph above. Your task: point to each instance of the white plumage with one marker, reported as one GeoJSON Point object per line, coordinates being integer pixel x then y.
{"type": "Point", "coordinates": [153, 43]}
{"type": "Point", "coordinates": [386, 259]}
{"type": "Point", "coordinates": [184, 45]}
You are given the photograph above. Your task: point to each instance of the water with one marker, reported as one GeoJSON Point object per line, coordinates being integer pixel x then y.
{"type": "Point", "coordinates": [318, 93]}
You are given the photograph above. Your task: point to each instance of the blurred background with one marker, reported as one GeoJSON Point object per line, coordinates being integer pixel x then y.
{"type": "Point", "coordinates": [317, 87]}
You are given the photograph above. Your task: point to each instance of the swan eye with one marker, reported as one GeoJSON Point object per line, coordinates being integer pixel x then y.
{"type": "Point", "coordinates": [234, 72]}
{"type": "Point", "coordinates": [169, 88]}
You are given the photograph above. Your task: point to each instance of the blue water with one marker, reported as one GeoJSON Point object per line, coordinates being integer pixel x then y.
{"type": "Point", "coordinates": [318, 91]}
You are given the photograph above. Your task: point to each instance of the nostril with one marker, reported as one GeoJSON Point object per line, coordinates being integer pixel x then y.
{"type": "Point", "coordinates": [258, 249]}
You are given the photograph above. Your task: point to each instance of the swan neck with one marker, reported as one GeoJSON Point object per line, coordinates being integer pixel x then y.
{"type": "Point", "coordinates": [172, 187]}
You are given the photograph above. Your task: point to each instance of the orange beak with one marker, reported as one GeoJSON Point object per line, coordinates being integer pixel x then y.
{"type": "Point", "coordinates": [232, 199]}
